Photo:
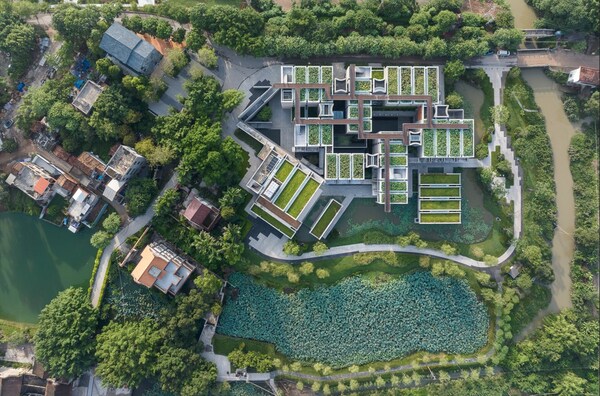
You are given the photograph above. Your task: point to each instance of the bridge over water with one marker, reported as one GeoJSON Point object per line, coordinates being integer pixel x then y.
{"type": "Point", "coordinates": [564, 60]}
{"type": "Point", "coordinates": [537, 33]}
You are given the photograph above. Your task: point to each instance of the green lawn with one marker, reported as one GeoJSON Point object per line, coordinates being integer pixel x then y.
{"type": "Point", "coordinates": [191, 3]}
{"type": "Point", "coordinates": [13, 330]}
{"type": "Point", "coordinates": [326, 218]}
{"type": "Point", "coordinates": [273, 221]}
{"type": "Point", "coordinates": [440, 205]}
{"type": "Point", "coordinates": [440, 217]}
{"type": "Point", "coordinates": [302, 199]}
{"type": "Point", "coordinates": [439, 192]}
{"type": "Point", "coordinates": [398, 161]}
{"type": "Point", "coordinates": [290, 189]}
{"type": "Point", "coordinates": [439, 178]}
{"type": "Point", "coordinates": [284, 170]}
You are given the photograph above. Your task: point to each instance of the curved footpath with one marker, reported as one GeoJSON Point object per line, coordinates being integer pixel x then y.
{"type": "Point", "coordinates": [119, 239]}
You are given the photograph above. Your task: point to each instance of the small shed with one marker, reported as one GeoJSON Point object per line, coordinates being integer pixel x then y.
{"type": "Point", "coordinates": [515, 270]}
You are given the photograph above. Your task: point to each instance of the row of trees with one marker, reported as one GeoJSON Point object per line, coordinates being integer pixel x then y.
{"type": "Point", "coordinates": [568, 15]}
{"type": "Point", "coordinates": [70, 339]}
{"type": "Point", "coordinates": [17, 39]}
{"type": "Point", "coordinates": [388, 28]}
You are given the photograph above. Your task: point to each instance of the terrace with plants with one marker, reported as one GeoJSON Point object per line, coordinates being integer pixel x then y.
{"type": "Point", "coordinates": [440, 198]}
{"type": "Point", "coordinates": [325, 220]}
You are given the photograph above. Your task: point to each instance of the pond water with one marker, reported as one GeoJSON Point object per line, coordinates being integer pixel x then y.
{"type": "Point", "coordinates": [37, 260]}
{"type": "Point", "coordinates": [524, 15]}
{"type": "Point", "coordinates": [473, 100]}
{"type": "Point", "coordinates": [560, 130]}
{"type": "Point", "coordinates": [365, 214]}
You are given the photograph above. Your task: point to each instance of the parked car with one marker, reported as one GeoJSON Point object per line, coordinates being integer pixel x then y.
{"type": "Point", "coordinates": [503, 53]}
{"type": "Point", "coordinates": [8, 123]}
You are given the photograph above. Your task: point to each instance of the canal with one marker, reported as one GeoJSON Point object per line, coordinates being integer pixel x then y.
{"type": "Point", "coordinates": [524, 15]}
{"type": "Point", "coordinates": [37, 260]}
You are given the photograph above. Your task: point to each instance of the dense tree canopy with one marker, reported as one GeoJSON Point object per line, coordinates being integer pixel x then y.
{"type": "Point", "coordinates": [17, 38]}
{"type": "Point", "coordinates": [64, 341]}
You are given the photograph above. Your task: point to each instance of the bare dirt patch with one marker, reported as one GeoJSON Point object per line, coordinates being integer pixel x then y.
{"type": "Point", "coordinates": [485, 8]}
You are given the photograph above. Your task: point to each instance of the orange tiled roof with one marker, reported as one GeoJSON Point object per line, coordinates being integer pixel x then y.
{"type": "Point", "coordinates": [589, 76]}
{"type": "Point", "coordinates": [41, 185]}
{"type": "Point", "coordinates": [141, 272]}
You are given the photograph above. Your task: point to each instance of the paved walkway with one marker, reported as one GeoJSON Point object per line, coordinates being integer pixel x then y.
{"type": "Point", "coordinates": [119, 239]}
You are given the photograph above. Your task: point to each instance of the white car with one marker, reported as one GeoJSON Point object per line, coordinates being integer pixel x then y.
{"type": "Point", "coordinates": [503, 53]}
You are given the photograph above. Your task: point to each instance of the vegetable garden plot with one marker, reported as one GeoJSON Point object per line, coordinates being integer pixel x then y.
{"type": "Point", "coordinates": [354, 322]}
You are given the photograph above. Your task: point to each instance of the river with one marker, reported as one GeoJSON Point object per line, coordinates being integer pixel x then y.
{"type": "Point", "coordinates": [37, 260]}
{"type": "Point", "coordinates": [560, 130]}
{"type": "Point", "coordinates": [523, 13]}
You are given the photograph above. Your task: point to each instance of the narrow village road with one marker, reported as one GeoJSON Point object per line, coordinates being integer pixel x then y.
{"type": "Point", "coordinates": [119, 239]}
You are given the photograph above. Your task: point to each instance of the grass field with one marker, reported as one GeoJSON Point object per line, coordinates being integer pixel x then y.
{"type": "Point", "coordinates": [440, 205]}
{"type": "Point", "coordinates": [439, 178]}
{"type": "Point", "coordinates": [273, 221]}
{"type": "Point", "coordinates": [303, 197]}
{"type": "Point", "coordinates": [283, 171]}
{"type": "Point", "coordinates": [440, 217]}
{"type": "Point", "coordinates": [249, 140]}
{"type": "Point", "coordinates": [321, 225]}
{"type": "Point", "coordinates": [9, 329]}
{"type": "Point", "coordinates": [439, 192]}
{"type": "Point", "coordinates": [290, 189]}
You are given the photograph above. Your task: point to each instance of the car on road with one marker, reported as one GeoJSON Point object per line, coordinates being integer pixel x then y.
{"type": "Point", "coordinates": [503, 53]}
{"type": "Point", "coordinates": [8, 123]}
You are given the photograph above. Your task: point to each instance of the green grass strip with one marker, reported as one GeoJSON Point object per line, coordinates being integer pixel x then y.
{"type": "Point", "coordinates": [440, 217]}
{"type": "Point", "coordinates": [273, 221]}
{"type": "Point", "coordinates": [326, 218]}
{"type": "Point", "coordinates": [283, 171]}
{"type": "Point", "coordinates": [290, 189]}
{"type": "Point", "coordinates": [440, 205]}
{"type": "Point", "coordinates": [440, 192]}
{"type": "Point", "coordinates": [302, 199]}
{"type": "Point", "coordinates": [439, 178]}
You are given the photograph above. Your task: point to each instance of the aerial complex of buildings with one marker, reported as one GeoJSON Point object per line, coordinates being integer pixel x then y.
{"type": "Point", "coordinates": [368, 125]}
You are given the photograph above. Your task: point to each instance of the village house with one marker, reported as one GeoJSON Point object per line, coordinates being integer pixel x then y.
{"type": "Point", "coordinates": [133, 54]}
{"type": "Point", "coordinates": [86, 97]}
{"type": "Point", "coordinates": [162, 268]}
{"type": "Point", "coordinates": [201, 214]}
{"type": "Point", "coordinates": [35, 178]}
{"type": "Point", "coordinates": [80, 206]}
{"type": "Point", "coordinates": [584, 77]}
{"type": "Point", "coordinates": [124, 164]}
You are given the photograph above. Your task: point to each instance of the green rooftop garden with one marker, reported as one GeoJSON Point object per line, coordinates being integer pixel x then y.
{"type": "Point", "coordinates": [377, 74]}
{"type": "Point", "coordinates": [344, 166]}
{"type": "Point", "coordinates": [398, 161]}
{"type": "Point", "coordinates": [455, 142]}
{"type": "Point", "coordinates": [397, 148]}
{"type": "Point", "coordinates": [326, 135]}
{"type": "Point", "coordinates": [399, 198]}
{"type": "Point", "coordinates": [441, 137]}
{"type": "Point", "coordinates": [439, 217]}
{"type": "Point", "coordinates": [393, 80]}
{"type": "Point", "coordinates": [331, 171]}
{"type": "Point", "coordinates": [439, 178]}
{"type": "Point", "coordinates": [284, 170]}
{"type": "Point", "coordinates": [300, 74]}
{"type": "Point", "coordinates": [440, 205]}
{"type": "Point", "coordinates": [358, 166]}
{"type": "Point", "coordinates": [432, 83]}
{"type": "Point", "coordinates": [428, 143]}
{"type": "Point", "coordinates": [314, 135]}
{"type": "Point", "coordinates": [313, 74]}
{"type": "Point", "coordinates": [314, 94]}
{"type": "Point", "coordinates": [467, 142]}
{"type": "Point", "coordinates": [397, 186]}
{"type": "Point", "coordinates": [326, 218]}
{"type": "Point", "coordinates": [406, 81]}
{"type": "Point", "coordinates": [273, 221]}
{"type": "Point", "coordinates": [290, 189]}
{"type": "Point", "coordinates": [439, 192]}
{"type": "Point", "coordinates": [303, 94]}
{"type": "Point", "coordinates": [327, 74]}
{"type": "Point", "coordinates": [362, 86]}
{"type": "Point", "coordinates": [419, 81]}
{"type": "Point", "coordinates": [302, 199]}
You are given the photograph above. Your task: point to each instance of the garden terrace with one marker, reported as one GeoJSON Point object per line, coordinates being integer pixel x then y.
{"type": "Point", "coordinates": [439, 218]}
{"type": "Point", "coordinates": [290, 188]}
{"type": "Point", "coordinates": [439, 203]}
{"type": "Point", "coordinates": [325, 219]}
{"type": "Point", "coordinates": [425, 192]}
{"type": "Point", "coordinates": [284, 170]}
{"type": "Point", "coordinates": [278, 225]}
{"type": "Point", "coordinates": [303, 198]}
{"type": "Point", "coordinates": [439, 178]}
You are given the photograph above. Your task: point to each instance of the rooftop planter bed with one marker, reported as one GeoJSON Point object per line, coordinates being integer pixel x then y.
{"type": "Point", "coordinates": [393, 80]}
{"type": "Point", "coordinates": [353, 112]}
{"type": "Point", "coordinates": [467, 142]}
{"type": "Point", "coordinates": [440, 217]}
{"type": "Point", "coordinates": [278, 225]}
{"type": "Point", "coordinates": [300, 74]}
{"type": "Point", "coordinates": [377, 74]}
{"type": "Point", "coordinates": [398, 198]}
{"type": "Point", "coordinates": [284, 170]}
{"type": "Point", "coordinates": [362, 86]}
{"type": "Point", "coordinates": [303, 94]}
{"type": "Point", "coordinates": [352, 127]}
{"type": "Point", "coordinates": [455, 142]}
{"type": "Point", "coordinates": [326, 74]}
{"type": "Point", "coordinates": [432, 83]}
{"type": "Point", "coordinates": [331, 171]}
{"type": "Point", "coordinates": [397, 186]}
{"type": "Point", "coordinates": [302, 199]}
{"type": "Point", "coordinates": [398, 161]}
{"type": "Point", "coordinates": [344, 166]}
{"type": "Point", "coordinates": [440, 205]}
{"type": "Point", "coordinates": [367, 112]}
{"type": "Point", "coordinates": [406, 81]}
{"type": "Point", "coordinates": [314, 137]}
{"type": "Point", "coordinates": [441, 149]}
{"type": "Point", "coordinates": [290, 189]}
{"type": "Point", "coordinates": [326, 135]}
{"type": "Point", "coordinates": [452, 192]}
{"type": "Point", "coordinates": [367, 125]}
{"type": "Point", "coordinates": [397, 148]}
{"type": "Point", "coordinates": [313, 74]}
{"type": "Point", "coordinates": [419, 80]}
{"type": "Point", "coordinates": [428, 143]}
{"type": "Point", "coordinates": [314, 94]}
{"type": "Point", "coordinates": [358, 166]}
{"type": "Point", "coordinates": [439, 178]}
{"type": "Point", "coordinates": [326, 218]}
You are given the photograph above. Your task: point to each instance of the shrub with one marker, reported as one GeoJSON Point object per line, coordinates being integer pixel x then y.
{"type": "Point", "coordinates": [389, 258]}
{"type": "Point", "coordinates": [306, 268]}
{"type": "Point", "coordinates": [264, 114]}
{"type": "Point", "coordinates": [10, 145]}
{"type": "Point", "coordinates": [320, 247]}
{"type": "Point", "coordinates": [112, 223]}
{"type": "Point", "coordinates": [100, 239]}
{"type": "Point", "coordinates": [376, 237]}
{"type": "Point", "coordinates": [448, 249]}
{"type": "Point", "coordinates": [322, 273]}
{"type": "Point", "coordinates": [207, 57]}
{"type": "Point", "coordinates": [175, 60]}
{"type": "Point", "coordinates": [291, 248]}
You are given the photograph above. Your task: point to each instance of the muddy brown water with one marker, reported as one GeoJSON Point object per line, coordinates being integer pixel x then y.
{"type": "Point", "coordinates": [560, 130]}
{"type": "Point", "coordinates": [473, 100]}
{"type": "Point", "coordinates": [523, 13]}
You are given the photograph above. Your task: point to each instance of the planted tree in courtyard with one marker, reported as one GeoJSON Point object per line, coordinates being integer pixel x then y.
{"type": "Point", "coordinates": [65, 338]}
{"type": "Point", "coordinates": [100, 239]}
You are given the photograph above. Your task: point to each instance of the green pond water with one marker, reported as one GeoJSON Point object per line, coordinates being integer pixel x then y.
{"type": "Point", "coordinates": [37, 260]}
